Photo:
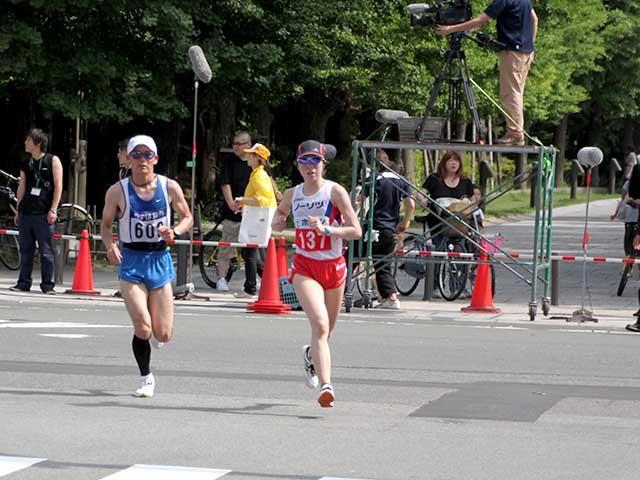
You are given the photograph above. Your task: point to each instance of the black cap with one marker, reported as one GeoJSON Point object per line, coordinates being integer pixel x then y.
{"type": "Point", "coordinates": [313, 147]}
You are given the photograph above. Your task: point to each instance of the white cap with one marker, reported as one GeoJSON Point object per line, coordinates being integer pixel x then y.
{"type": "Point", "coordinates": [145, 140]}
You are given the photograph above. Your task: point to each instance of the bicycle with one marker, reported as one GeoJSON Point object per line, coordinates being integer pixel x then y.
{"type": "Point", "coordinates": [451, 274]}
{"type": "Point", "coordinates": [9, 245]}
{"type": "Point", "coordinates": [72, 220]}
{"type": "Point", "coordinates": [627, 268]}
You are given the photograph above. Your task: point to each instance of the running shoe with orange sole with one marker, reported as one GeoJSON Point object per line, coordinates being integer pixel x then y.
{"type": "Point", "coordinates": [327, 396]}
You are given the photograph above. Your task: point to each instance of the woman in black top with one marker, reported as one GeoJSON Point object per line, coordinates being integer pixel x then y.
{"type": "Point", "coordinates": [448, 181]}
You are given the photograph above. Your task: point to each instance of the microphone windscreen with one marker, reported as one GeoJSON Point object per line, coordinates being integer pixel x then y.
{"type": "Point", "coordinates": [390, 116]}
{"type": "Point", "coordinates": [199, 64]}
{"type": "Point", "coordinates": [590, 156]}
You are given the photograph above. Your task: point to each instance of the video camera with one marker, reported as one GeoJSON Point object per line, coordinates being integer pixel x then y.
{"type": "Point", "coordinates": [447, 12]}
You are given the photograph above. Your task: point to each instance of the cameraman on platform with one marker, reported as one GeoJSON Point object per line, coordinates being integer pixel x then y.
{"type": "Point", "coordinates": [517, 25]}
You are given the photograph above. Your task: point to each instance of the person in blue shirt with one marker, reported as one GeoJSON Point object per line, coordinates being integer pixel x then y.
{"type": "Point", "coordinates": [517, 25]}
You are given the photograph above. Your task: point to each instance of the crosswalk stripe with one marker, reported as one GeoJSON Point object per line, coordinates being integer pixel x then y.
{"type": "Point", "coordinates": [13, 464]}
{"type": "Point", "coordinates": [165, 472]}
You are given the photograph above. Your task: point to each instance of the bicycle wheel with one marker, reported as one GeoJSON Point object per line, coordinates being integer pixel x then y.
{"type": "Point", "coordinates": [10, 252]}
{"type": "Point", "coordinates": [208, 260]}
{"type": "Point", "coordinates": [407, 271]}
{"type": "Point", "coordinates": [626, 273]}
{"type": "Point", "coordinates": [452, 277]}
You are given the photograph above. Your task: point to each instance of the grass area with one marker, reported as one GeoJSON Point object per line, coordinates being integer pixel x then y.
{"type": "Point", "coordinates": [517, 202]}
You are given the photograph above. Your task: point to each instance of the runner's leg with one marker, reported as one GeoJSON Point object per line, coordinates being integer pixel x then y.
{"type": "Point", "coordinates": [312, 299]}
{"type": "Point", "coordinates": [161, 310]}
{"type": "Point", "coordinates": [135, 299]}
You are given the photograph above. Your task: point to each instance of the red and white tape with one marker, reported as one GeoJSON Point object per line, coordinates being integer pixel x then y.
{"type": "Point", "coordinates": [196, 243]}
{"type": "Point", "coordinates": [414, 253]}
{"type": "Point", "coordinates": [474, 256]}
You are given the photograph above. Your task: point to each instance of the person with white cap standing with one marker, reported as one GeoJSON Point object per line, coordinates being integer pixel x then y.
{"type": "Point", "coordinates": [142, 203]}
{"type": "Point", "coordinates": [323, 217]}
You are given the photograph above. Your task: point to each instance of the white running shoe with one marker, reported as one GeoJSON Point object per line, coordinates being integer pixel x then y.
{"type": "Point", "coordinates": [311, 379]}
{"type": "Point", "coordinates": [388, 304]}
{"type": "Point", "coordinates": [222, 285]}
{"type": "Point", "coordinates": [155, 343]}
{"type": "Point", "coordinates": [147, 385]}
{"type": "Point", "coordinates": [327, 396]}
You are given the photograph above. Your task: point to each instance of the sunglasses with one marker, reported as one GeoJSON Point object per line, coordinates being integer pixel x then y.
{"type": "Point", "coordinates": [148, 155]}
{"type": "Point", "coordinates": [310, 160]}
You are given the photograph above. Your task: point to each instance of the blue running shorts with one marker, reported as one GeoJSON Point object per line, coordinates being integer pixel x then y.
{"type": "Point", "coordinates": [154, 269]}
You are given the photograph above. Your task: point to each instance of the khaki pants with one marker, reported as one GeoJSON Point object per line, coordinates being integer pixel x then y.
{"type": "Point", "coordinates": [514, 68]}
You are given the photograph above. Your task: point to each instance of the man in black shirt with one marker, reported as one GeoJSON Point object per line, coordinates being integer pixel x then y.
{"type": "Point", "coordinates": [38, 196]}
{"type": "Point", "coordinates": [390, 191]}
{"type": "Point", "coordinates": [234, 178]}
{"type": "Point", "coordinates": [517, 26]}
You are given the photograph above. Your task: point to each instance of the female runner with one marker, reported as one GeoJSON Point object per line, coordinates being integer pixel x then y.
{"type": "Point", "coordinates": [323, 218]}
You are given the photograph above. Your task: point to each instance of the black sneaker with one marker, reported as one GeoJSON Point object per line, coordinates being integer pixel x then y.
{"type": "Point", "coordinates": [18, 288]}
{"type": "Point", "coordinates": [633, 327]}
{"type": "Point", "coordinates": [637, 313]}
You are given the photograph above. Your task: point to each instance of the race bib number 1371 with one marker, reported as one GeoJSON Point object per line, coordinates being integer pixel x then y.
{"type": "Point", "coordinates": [311, 240]}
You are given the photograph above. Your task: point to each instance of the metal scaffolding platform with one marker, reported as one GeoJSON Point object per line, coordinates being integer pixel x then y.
{"type": "Point", "coordinates": [542, 165]}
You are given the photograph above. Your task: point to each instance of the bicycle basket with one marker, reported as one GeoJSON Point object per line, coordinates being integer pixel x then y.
{"type": "Point", "coordinates": [457, 214]}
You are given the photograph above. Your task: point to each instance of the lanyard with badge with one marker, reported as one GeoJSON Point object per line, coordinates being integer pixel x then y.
{"type": "Point", "coordinates": [36, 190]}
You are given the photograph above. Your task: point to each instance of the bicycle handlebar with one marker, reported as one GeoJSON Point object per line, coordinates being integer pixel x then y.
{"type": "Point", "coordinates": [8, 176]}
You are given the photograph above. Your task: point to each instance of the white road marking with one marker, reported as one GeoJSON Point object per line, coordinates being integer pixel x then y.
{"type": "Point", "coordinates": [65, 335]}
{"type": "Point", "coordinates": [14, 324]}
{"type": "Point", "coordinates": [13, 464]}
{"type": "Point", "coordinates": [341, 478]}
{"type": "Point", "coordinates": [162, 472]}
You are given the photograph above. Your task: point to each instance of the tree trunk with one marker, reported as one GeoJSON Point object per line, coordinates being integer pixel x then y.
{"type": "Point", "coordinates": [560, 141]}
{"type": "Point", "coordinates": [629, 128]}
{"type": "Point", "coordinates": [409, 165]}
{"type": "Point", "coordinates": [222, 126]}
{"type": "Point", "coordinates": [521, 166]}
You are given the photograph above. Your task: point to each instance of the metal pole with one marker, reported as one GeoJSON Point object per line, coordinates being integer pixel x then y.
{"type": "Point", "coordinates": [555, 282]}
{"type": "Point", "coordinates": [194, 150]}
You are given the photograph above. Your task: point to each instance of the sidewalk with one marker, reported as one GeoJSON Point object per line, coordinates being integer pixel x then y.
{"type": "Point", "coordinates": [512, 295]}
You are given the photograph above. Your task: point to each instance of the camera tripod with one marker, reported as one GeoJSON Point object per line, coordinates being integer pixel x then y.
{"type": "Point", "coordinates": [458, 85]}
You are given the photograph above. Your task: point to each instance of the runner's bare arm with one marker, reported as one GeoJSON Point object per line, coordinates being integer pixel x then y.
{"type": "Point", "coordinates": [180, 205]}
{"type": "Point", "coordinates": [350, 229]}
{"type": "Point", "coordinates": [282, 212]}
{"type": "Point", "coordinates": [112, 204]}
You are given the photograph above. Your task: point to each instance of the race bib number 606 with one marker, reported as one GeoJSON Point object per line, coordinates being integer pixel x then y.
{"type": "Point", "coordinates": [310, 240]}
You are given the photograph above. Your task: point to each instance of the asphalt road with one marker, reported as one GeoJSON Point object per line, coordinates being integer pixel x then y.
{"type": "Point", "coordinates": [418, 397]}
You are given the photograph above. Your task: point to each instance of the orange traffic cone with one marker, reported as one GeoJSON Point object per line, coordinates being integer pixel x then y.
{"type": "Point", "coordinates": [269, 299]}
{"type": "Point", "coordinates": [482, 299]}
{"type": "Point", "coordinates": [83, 276]}
{"type": "Point", "coordinates": [283, 266]}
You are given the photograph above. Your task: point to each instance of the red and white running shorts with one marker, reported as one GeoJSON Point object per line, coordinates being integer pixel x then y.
{"type": "Point", "coordinates": [329, 274]}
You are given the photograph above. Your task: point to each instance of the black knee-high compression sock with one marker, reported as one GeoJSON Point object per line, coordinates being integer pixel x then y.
{"type": "Point", "coordinates": [142, 352]}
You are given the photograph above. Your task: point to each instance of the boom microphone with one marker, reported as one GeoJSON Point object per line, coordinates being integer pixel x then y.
{"type": "Point", "coordinates": [590, 156]}
{"type": "Point", "coordinates": [199, 64]}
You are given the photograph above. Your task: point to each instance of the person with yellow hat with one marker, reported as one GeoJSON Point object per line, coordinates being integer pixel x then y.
{"type": "Point", "coordinates": [259, 193]}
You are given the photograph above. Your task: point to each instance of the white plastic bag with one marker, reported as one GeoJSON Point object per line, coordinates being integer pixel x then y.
{"type": "Point", "coordinates": [256, 225]}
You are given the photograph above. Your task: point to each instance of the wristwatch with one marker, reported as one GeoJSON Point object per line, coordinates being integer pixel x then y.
{"type": "Point", "coordinates": [53, 210]}
{"type": "Point", "coordinates": [327, 232]}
